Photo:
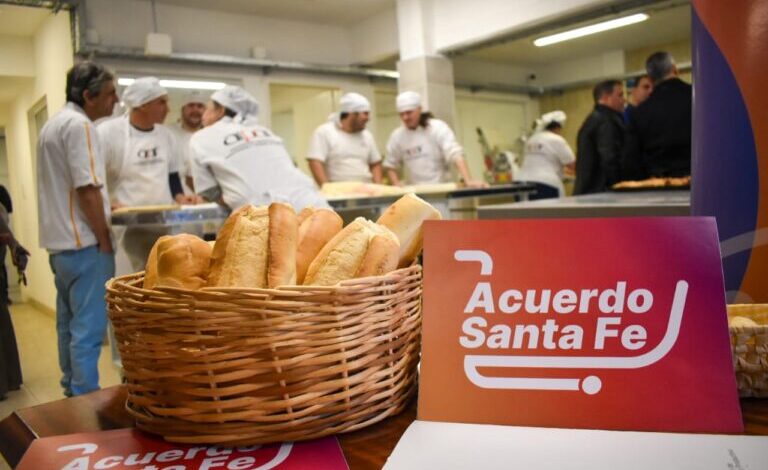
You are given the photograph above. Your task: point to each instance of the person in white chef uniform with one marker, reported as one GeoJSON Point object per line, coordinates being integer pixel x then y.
{"type": "Point", "coordinates": [342, 149]}
{"type": "Point", "coordinates": [235, 161]}
{"type": "Point", "coordinates": [142, 164]}
{"type": "Point", "coordinates": [424, 147]}
{"type": "Point", "coordinates": [190, 121]}
{"type": "Point", "coordinates": [547, 156]}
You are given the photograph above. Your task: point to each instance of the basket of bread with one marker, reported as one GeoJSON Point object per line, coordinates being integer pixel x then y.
{"type": "Point", "coordinates": [288, 327]}
{"type": "Point", "coordinates": [748, 324]}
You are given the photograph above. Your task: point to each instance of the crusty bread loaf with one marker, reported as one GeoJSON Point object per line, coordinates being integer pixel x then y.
{"type": "Point", "coordinates": [316, 228]}
{"type": "Point", "coordinates": [405, 218]}
{"type": "Point", "coordinates": [256, 247]}
{"type": "Point", "coordinates": [739, 321]}
{"type": "Point", "coordinates": [182, 261]}
{"type": "Point", "coordinates": [282, 242]}
{"type": "Point", "coordinates": [150, 271]}
{"type": "Point", "coordinates": [362, 248]}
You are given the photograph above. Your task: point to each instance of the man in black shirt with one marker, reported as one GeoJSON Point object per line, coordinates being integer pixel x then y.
{"type": "Point", "coordinates": [659, 130]}
{"type": "Point", "coordinates": [600, 140]}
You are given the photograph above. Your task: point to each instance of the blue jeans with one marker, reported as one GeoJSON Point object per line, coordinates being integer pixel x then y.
{"type": "Point", "coordinates": [81, 314]}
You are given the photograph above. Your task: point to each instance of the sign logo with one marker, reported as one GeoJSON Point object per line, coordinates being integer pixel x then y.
{"type": "Point", "coordinates": [632, 337]}
{"type": "Point", "coordinates": [583, 323]}
{"type": "Point", "coordinates": [132, 449]}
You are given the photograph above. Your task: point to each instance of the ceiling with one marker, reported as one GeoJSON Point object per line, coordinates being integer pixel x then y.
{"type": "Point", "coordinates": [665, 25]}
{"type": "Point", "coordinates": [21, 21]}
{"type": "Point", "coordinates": [334, 12]}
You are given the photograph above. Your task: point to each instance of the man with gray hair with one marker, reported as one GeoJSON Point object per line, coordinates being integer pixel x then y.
{"type": "Point", "coordinates": [73, 213]}
{"type": "Point", "coordinates": [659, 130]}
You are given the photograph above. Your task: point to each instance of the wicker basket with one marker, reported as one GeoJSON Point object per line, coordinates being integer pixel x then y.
{"type": "Point", "coordinates": [251, 366]}
{"type": "Point", "coordinates": [750, 349]}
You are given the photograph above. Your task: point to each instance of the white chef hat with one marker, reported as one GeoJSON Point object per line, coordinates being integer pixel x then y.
{"type": "Point", "coordinates": [236, 99]}
{"type": "Point", "coordinates": [557, 116]}
{"type": "Point", "coordinates": [407, 101]}
{"type": "Point", "coordinates": [142, 91]}
{"type": "Point", "coordinates": [354, 103]}
{"type": "Point", "coordinates": [194, 96]}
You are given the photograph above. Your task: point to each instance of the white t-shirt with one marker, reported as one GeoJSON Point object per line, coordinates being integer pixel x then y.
{"type": "Point", "coordinates": [546, 153]}
{"type": "Point", "coordinates": [347, 156]}
{"type": "Point", "coordinates": [138, 162]}
{"type": "Point", "coordinates": [69, 156]}
{"type": "Point", "coordinates": [426, 152]}
{"type": "Point", "coordinates": [251, 165]}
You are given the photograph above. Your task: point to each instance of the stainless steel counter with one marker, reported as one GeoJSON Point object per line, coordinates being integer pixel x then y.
{"type": "Point", "coordinates": [206, 218]}
{"type": "Point", "coordinates": [203, 219]}
{"type": "Point", "coordinates": [456, 204]}
{"type": "Point", "coordinates": [610, 204]}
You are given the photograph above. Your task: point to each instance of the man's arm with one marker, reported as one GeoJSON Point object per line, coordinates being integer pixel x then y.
{"type": "Point", "coordinates": [318, 171]}
{"type": "Point", "coordinates": [92, 206]}
{"type": "Point", "coordinates": [376, 172]}
{"type": "Point", "coordinates": [461, 166]}
{"type": "Point", "coordinates": [394, 179]}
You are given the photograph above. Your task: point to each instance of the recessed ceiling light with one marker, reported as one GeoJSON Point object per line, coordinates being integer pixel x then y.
{"type": "Point", "coordinates": [591, 29]}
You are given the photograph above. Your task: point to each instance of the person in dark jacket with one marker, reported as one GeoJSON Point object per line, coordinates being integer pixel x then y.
{"type": "Point", "coordinates": [659, 130]}
{"type": "Point", "coordinates": [600, 140]}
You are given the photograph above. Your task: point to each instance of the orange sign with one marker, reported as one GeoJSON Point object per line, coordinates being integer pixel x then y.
{"type": "Point", "coordinates": [586, 323]}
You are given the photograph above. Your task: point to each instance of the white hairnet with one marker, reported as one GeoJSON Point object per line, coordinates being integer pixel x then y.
{"type": "Point", "coordinates": [407, 101]}
{"type": "Point", "coordinates": [142, 91]}
{"type": "Point", "coordinates": [238, 100]}
{"type": "Point", "coordinates": [194, 96]}
{"type": "Point", "coordinates": [354, 103]}
{"type": "Point", "coordinates": [550, 117]}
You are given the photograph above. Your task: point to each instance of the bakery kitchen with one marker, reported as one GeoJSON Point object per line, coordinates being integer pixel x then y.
{"type": "Point", "coordinates": [478, 331]}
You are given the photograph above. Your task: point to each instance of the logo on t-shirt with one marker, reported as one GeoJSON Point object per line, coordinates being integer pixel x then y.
{"type": "Point", "coordinates": [146, 154]}
{"type": "Point", "coordinates": [413, 152]}
{"type": "Point", "coordinates": [246, 135]}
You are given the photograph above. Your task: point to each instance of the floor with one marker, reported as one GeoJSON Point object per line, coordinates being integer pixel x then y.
{"type": "Point", "coordinates": [36, 337]}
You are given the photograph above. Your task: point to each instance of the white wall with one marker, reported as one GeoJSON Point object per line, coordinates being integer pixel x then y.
{"type": "Point", "coordinates": [462, 22]}
{"type": "Point", "coordinates": [590, 68]}
{"type": "Point", "coordinates": [374, 38]}
{"type": "Point", "coordinates": [214, 32]}
{"type": "Point", "coordinates": [467, 69]}
{"type": "Point", "coordinates": [52, 57]}
{"type": "Point", "coordinates": [17, 55]}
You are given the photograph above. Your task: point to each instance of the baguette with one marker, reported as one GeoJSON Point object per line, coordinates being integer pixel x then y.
{"type": "Point", "coordinates": [256, 247]}
{"type": "Point", "coordinates": [405, 218]}
{"type": "Point", "coordinates": [150, 271]}
{"type": "Point", "coordinates": [362, 248]}
{"type": "Point", "coordinates": [316, 228]}
{"type": "Point", "coordinates": [182, 261]}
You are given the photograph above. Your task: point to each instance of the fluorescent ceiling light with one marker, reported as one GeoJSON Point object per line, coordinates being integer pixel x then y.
{"type": "Point", "coordinates": [591, 29]}
{"type": "Point", "coordinates": [183, 84]}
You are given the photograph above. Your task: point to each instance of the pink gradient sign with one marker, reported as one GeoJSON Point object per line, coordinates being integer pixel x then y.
{"type": "Point", "coordinates": [584, 323]}
{"type": "Point", "coordinates": [133, 449]}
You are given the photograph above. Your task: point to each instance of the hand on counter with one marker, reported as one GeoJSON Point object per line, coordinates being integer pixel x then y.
{"type": "Point", "coordinates": [190, 199]}
{"type": "Point", "coordinates": [116, 205]}
{"type": "Point", "coordinates": [476, 184]}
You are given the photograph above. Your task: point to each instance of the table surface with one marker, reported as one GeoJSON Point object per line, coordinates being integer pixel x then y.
{"type": "Point", "coordinates": [665, 202]}
{"type": "Point", "coordinates": [103, 410]}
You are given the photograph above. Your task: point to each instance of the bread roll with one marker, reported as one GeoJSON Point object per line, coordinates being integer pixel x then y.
{"type": "Point", "coordinates": [316, 228]}
{"type": "Point", "coordinates": [256, 247]}
{"type": "Point", "coordinates": [741, 322]}
{"type": "Point", "coordinates": [150, 271]}
{"type": "Point", "coordinates": [405, 217]}
{"type": "Point", "coordinates": [182, 261]}
{"type": "Point", "coordinates": [362, 248]}
{"type": "Point", "coordinates": [282, 242]}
